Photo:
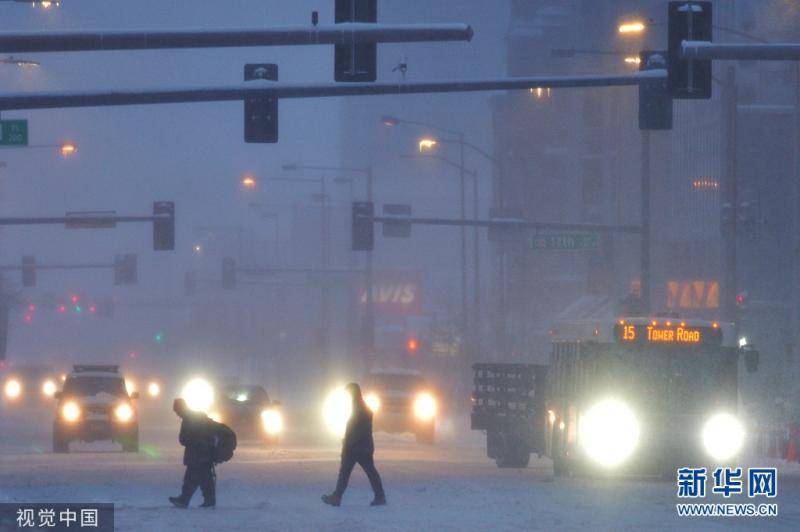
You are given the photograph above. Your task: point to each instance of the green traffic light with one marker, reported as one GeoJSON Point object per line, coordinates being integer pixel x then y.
{"type": "Point", "coordinates": [78, 309]}
{"type": "Point", "coordinates": [159, 337]}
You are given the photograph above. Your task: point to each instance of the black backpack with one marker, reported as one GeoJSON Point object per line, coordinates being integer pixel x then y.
{"type": "Point", "coordinates": [223, 442]}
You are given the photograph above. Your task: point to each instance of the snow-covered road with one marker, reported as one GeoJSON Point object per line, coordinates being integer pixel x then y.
{"type": "Point", "coordinates": [450, 486]}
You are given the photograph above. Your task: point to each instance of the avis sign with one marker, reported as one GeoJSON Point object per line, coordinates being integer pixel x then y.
{"type": "Point", "coordinates": [394, 293]}
{"type": "Point", "coordinates": [13, 132]}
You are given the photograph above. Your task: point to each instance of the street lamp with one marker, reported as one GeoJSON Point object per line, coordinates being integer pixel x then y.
{"type": "Point", "coordinates": [248, 182]}
{"type": "Point", "coordinates": [427, 144]}
{"type": "Point", "coordinates": [68, 149]}
{"type": "Point", "coordinates": [632, 28]}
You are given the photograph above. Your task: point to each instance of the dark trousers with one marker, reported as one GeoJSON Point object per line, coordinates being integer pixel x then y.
{"type": "Point", "coordinates": [349, 460]}
{"type": "Point", "coordinates": [202, 476]}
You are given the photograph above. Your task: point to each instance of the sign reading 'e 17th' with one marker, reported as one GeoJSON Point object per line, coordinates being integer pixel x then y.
{"type": "Point", "coordinates": [13, 132]}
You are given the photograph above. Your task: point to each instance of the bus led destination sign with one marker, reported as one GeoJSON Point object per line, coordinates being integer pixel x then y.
{"type": "Point", "coordinates": [667, 333]}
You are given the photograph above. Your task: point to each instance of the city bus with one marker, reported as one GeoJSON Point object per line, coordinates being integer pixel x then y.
{"type": "Point", "coordinates": [643, 395]}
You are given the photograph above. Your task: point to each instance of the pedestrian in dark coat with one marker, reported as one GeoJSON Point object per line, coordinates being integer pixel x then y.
{"type": "Point", "coordinates": [196, 437]}
{"type": "Point", "coordinates": [358, 447]}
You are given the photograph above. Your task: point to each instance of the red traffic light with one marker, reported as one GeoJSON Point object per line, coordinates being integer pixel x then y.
{"type": "Point", "coordinates": [74, 299]}
{"type": "Point", "coordinates": [62, 308]}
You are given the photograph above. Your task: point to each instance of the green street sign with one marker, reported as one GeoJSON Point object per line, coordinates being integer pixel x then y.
{"type": "Point", "coordinates": [13, 132]}
{"type": "Point", "coordinates": [568, 241]}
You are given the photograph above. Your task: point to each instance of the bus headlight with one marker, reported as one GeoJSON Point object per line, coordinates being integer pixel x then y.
{"type": "Point", "coordinates": [272, 421]}
{"type": "Point", "coordinates": [123, 412]}
{"type": "Point", "coordinates": [12, 389]}
{"type": "Point", "coordinates": [71, 411]}
{"type": "Point", "coordinates": [48, 388]}
{"type": "Point", "coordinates": [723, 436]}
{"type": "Point", "coordinates": [336, 411]}
{"type": "Point", "coordinates": [198, 394]}
{"type": "Point", "coordinates": [373, 402]}
{"type": "Point", "coordinates": [609, 432]}
{"type": "Point", "coordinates": [424, 407]}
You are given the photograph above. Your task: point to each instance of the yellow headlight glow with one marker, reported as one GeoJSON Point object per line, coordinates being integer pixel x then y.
{"type": "Point", "coordinates": [49, 388]}
{"type": "Point", "coordinates": [336, 411]}
{"type": "Point", "coordinates": [130, 386]}
{"type": "Point", "coordinates": [723, 436]}
{"type": "Point", "coordinates": [216, 416]}
{"type": "Point", "coordinates": [153, 389]}
{"type": "Point", "coordinates": [425, 407]}
{"type": "Point", "coordinates": [199, 395]}
{"type": "Point", "coordinates": [123, 412]}
{"type": "Point", "coordinates": [373, 402]}
{"type": "Point", "coordinates": [272, 420]}
{"type": "Point", "coordinates": [13, 389]}
{"type": "Point", "coordinates": [609, 432]}
{"type": "Point", "coordinates": [71, 411]}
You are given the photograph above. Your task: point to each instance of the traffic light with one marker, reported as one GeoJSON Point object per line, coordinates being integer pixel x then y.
{"type": "Point", "coordinates": [355, 62]}
{"type": "Point", "coordinates": [189, 284]}
{"type": "Point", "coordinates": [363, 237]}
{"type": "Point", "coordinates": [655, 100]}
{"type": "Point", "coordinates": [228, 273]}
{"type": "Point", "coordinates": [261, 114]}
{"type": "Point", "coordinates": [689, 21]}
{"type": "Point", "coordinates": [125, 269]}
{"type": "Point", "coordinates": [28, 271]}
{"type": "Point", "coordinates": [164, 228]}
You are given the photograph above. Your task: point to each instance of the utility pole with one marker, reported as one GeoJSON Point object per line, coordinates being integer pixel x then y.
{"type": "Point", "coordinates": [645, 282]}
{"type": "Point", "coordinates": [731, 196]}
{"type": "Point", "coordinates": [462, 177]}
{"type": "Point", "coordinates": [369, 314]}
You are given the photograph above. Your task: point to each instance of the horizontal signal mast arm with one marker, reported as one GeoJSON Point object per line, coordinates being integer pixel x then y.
{"type": "Point", "coordinates": [259, 88]}
{"type": "Point", "coordinates": [508, 224]}
{"type": "Point", "coordinates": [761, 52]}
{"type": "Point", "coordinates": [345, 33]}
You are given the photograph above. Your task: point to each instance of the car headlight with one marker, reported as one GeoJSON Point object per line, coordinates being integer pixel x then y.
{"type": "Point", "coordinates": [49, 388]}
{"type": "Point", "coordinates": [723, 436]}
{"type": "Point", "coordinates": [153, 389]}
{"type": "Point", "coordinates": [373, 402]}
{"type": "Point", "coordinates": [272, 421]}
{"type": "Point", "coordinates": [71, 411]}
{"type": "Point", "coordinates": [424, 407]}
{"type": "Point", "coordinates": [336, 411]}
{"type": "Point", "coordinates": [198, 394]}
{"type": "Point", "coordinates": [13, 389]}
{"type": "Point", "coordinates": [123, 412]}
{"type": "Point", "coordinates": [609, 432]}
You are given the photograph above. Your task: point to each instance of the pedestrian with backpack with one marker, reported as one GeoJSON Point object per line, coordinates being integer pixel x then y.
{"type": "Point", "coordinates": [358, 447]}
{"type": "Point", "coordinates": [206, 443]}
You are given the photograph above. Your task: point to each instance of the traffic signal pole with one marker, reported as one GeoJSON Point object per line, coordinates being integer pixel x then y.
{"type": "Point", "coordinates": [341, 34]}
{"type": "Point", "coordinates": [261, 89]}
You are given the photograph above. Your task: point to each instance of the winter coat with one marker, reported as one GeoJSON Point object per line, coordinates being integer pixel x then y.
{"type": "Point", "coordinates": [358, 435]}
{"type": "Point", "coordinates": [196, 436]}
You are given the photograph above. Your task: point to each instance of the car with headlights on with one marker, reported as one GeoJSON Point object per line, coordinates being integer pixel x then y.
{"type": "Point", "coordinates": [402, 401]}
{"type": "Point", "coordinates": [249, 411]}
{"type": "Point", "coordinates": [29, 385]}
{"type": "Point", "coordinates": [94, 405]}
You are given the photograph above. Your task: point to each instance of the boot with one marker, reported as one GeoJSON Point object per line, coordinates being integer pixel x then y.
{"type": "Point", "coordinates": [208, 504]}
{"type": "Point", "coordinates": [378, 501]}
{"type": "Point", "coordinates": [178, 502]}
{"type": "Point", "coordinates": [332, 499]}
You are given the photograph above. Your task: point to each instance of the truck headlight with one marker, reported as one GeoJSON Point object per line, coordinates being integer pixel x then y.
{"type": "Point", "coordinates": [336, 411]}
{"type": "Point", "coordinates": [48, 388]}
{"type": "Point", "coordinates": [272, 421]}
{"type": "Point", "coordinates": [12, 389]}
{"type": "Point", "coordinates": [123, 412]}
{"type": "Point", "coordinates": [198, 394]}
{"type": "Point", "coordinates": [723, 436]}
{"type": "Point", "coordinates": [424, 407]}
{"type": "Point", "coordinates": [373, 402]}
{"type": "Point", "coordinates": [609, 432]}
{"type": "Point", "coordinates": [71, 412]}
